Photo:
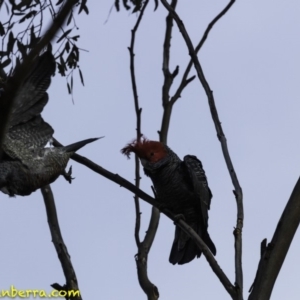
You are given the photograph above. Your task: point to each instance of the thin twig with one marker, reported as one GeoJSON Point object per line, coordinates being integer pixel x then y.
{"type": "Point", "coordinates": [138, 112]}
{"type": "Point", "coordinates": [60, 247]}
{"type": "Point", "coordinates": [143, 247]}
{"type": "Point", "coordinates": [168, 79]}
{"type": "Point", "coordinates": [238, 191]}
{"type": "Point", "coordinates": [185, 80]}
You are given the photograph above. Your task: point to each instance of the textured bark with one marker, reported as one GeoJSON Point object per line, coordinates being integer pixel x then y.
{"type": "Point", "coordinates": [274, 254]}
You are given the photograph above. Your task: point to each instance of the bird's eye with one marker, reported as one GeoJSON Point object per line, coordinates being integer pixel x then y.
{"type": "Point", "coordinates": [151, 153]}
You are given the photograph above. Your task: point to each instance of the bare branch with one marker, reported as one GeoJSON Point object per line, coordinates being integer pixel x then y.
{"type": "Point", "coordinates": [143, 247]}
{"type": "Point", "coordinates": [209, 257]}
{"type": "Point", "coordinates": [273, 256]}
{"type": "Point", "coordinates": [111, 176]}
{"type": "Point", "coordinates": [137, 207]}
{"type": "Point", "coordinates": [141, 263]}
{"type": "Point", "coordinates": [185, 80]}
{"type": "Point", "coordinates": [168, 79]}
{"type": "Point", "coordinates": [221, 136]}
{"type": "Point", "coordinates": [131, 187]}
{"type": "Point", "coordinates": [60, 247]}
{"type": "Point", "coordinates": [138, 112]}
{"type": "Point", "coordinates": [152, 228]}
{"type": "Point", "coordinates": [142, 257]}
{"type": "Point", "coordinates": [124, 183]}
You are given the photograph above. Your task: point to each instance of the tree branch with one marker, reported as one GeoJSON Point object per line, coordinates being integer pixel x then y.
{"type": "Point", "coordinates": [138, 112]}
{"type": "Point", "coordinates": [209, 257]}
{"type": "Point", "coordinates": [273, 256]}
{"type": "Point", "coordinates": [168, 79]}
{"type": "Point", "coordinates": [141, 257]}
{"type": "Point", "coordinates": [131, 187]}
{"type": "Point", "coordinates": [221, 136]}
{"type": "Point", "coordinates": [144, 247]}
{"type": "Point", "coordinates": [60, 247]}
{"type": "Point", "coordinates": [185, 80]}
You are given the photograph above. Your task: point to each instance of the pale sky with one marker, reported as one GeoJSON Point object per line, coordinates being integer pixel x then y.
{"type": "Point", "coordinates": [251, 61]}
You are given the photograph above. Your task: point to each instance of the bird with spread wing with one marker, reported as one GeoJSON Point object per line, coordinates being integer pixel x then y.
{"type": "Point", "coordinates": [27, 164]}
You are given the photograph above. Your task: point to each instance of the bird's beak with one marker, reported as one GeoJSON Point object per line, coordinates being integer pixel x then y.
{"type": "Point", "coordinates": [143, 161]}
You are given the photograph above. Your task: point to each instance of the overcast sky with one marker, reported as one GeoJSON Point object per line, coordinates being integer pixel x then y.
{"type": "Point", "coordinates": [251, 61]}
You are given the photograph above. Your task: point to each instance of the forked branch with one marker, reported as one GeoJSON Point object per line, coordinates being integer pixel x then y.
{"type": "Point", "coordinates": [221, 136]}
{"type": "Point", "coordinates": [185, 80]}
{"type": "Point", "coordinates": [141, 194]}
{"type": "Point", "coordinates": [144, 246]}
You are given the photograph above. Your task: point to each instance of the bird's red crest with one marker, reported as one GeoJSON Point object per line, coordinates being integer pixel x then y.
{"type": "Point", "coordinates": [153, 151]}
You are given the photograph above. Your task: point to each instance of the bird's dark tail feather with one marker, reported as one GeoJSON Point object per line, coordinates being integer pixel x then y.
{"type": "Point", "coordinates": [76, 146]}
{"type": "Point", "coordinates": [185, 250]}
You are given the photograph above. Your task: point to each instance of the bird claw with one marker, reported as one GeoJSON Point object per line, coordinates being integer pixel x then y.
{"type": "Point", "coordinates": [68, 174]}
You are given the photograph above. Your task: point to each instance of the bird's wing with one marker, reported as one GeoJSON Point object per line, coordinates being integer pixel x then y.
{"type": "Point", "coordinates": [22, 140]}
{"type": "Point", "coordinates": [198, 179]}
{"type": "Point", "coordinates": [32, 96]}
{"type": "Point", "coordinates": [26, 128]}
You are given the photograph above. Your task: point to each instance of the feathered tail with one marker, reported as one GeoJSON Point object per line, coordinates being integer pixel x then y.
{"type": "Point", "coordinates": [76, 146]}
{"type": "Point", "coordinates": [185, 250]}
